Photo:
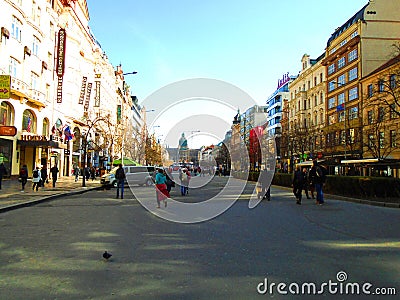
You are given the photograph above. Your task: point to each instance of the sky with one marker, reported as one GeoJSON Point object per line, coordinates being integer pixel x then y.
{"type": "Point", "coordinates": [250, 44]}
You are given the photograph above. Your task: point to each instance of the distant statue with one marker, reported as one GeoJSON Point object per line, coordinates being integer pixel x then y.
{"type": "Point", "coordinates": [183, 142]}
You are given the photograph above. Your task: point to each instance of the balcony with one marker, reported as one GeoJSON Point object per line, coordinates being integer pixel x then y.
{"type": "Point", "coordinates": [21, 89]}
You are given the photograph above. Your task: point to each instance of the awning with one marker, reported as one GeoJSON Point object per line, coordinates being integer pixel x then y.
{"type": "Point", "coordinates": [42, 144]}
{"type": "Point", "coordinates": [127, 162]}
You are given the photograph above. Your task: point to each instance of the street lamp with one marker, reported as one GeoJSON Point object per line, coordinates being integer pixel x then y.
{"type": "Point", "coordinates": [130, 73]}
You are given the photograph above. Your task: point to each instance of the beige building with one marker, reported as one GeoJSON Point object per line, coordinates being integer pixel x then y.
{"type": "Point", "coordinates": [306, 112]}
{"type": "Point", "coordinates": [66, 98]}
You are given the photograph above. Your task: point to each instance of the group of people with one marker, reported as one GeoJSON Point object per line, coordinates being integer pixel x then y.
{"type": "Point", "coordinates": [309, 181]}
{"type": "Point", "coordinates": [40, 176]}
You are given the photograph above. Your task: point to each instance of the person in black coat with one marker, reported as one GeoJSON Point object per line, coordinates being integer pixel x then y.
{"type": "Point", "coordinates": [298, 184]}
{"type": "Point", "coordinates": [3, 171]}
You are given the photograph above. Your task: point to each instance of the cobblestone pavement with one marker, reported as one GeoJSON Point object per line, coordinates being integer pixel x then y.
{"type": "Point", "coordinates": [11, 196]}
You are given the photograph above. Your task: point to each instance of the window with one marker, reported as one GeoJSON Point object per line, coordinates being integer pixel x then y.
{"type": "Point", "coordinates": [51, 30]}
{"type": "Point", "coordinates": [16, 27]}
{"type": "Point", "coordinates": [331, 69]}
{"type": "Point", "coordinates": [13, 67]}
{"type": "Point", "coordinates": [381, 86]}
{"type": "Point", "coordinates": [315, 119]}
{"type": "Point", "coordinates": [353, 74]}
{"type": "Point", "coordinates": [341, 98]}
{"type": "Point", "coordinates": [34, 81]}
{"type": "Point", "coordinates": [35, 46]}
{"type": "Point", "coordinates": [46, 128]}
{"type": "Point", "coordinates": [352, 136]}
{"type": "Point", "coordinates": [353, 93]}
{"type": "Point", "coordinates": [371, 141]}
{"type": "Point", "coordinates": [341, 80]}
{"type": "Point", "coordinates": [354, 34]}
{"type": "Point", "coordinates": [342, 137]}
{"type": "Point", "coordinates": [393, 113]}
{"type": "Point", "coordinates": [381, 114]}
{"type": "Point", "coordinates": [370, 114]}
{"type": "Point", "coordinates": [6, 114]}
{"type": "Point", "coordinates": [341, 62]}
{"type": "Point", "coordinates": [393, 142]}
{"type": "Point", "coordinates": [315, 100]}
{"type": "Point", "coordinates": [28, 122]}
{"type": "Point", "coordinates": [321, 78]}
{"type": "Point", "coordinates": [352, 55]}
{"type": "Point", "coordinates": [332, 119]}
{"type": "Point", "coordinates": [341, 116]}
{"type": "Point", "coordinates": [321, 118]}
{"type": "Point", "coordinates": [370, 90]}
{"type": "Point", "coordinates": [381, 140]}
{"type": "Point", "coordinates": [315, 80]}
{"type": "Point", "coordinates": [342, 43]}
{"type": "Point", "coordinates": [392, 80]}
{"type": "Point", "coordinates": [353, 113]}
{"type": "Point", "coordinates": [321, 98]}
{"type": "Point", "coordinates": [47, 92]}
{"type": "Point", "coordinates": [331, 102]}
{"type": "Point", "coordinates": [331, 86]}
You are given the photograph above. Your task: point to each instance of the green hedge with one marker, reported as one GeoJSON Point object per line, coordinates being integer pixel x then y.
{"type": "Point", "coordinates": [354, 186]}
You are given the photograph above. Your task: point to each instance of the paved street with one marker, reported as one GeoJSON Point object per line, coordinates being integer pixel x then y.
{"type": "Point", "coordinates": [53, 250]}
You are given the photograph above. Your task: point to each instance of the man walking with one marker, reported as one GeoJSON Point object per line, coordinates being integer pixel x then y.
{"type": "Point", "coordinates": [36, 179]}
{"type": "Point", "coordinates": [23, 174]}
{"type": "Point", "coordinates": [318, 177]}
{"type": "Point", "coordinates": [54, 171]}
{"type": "Point", "coordinates": [120, 176]}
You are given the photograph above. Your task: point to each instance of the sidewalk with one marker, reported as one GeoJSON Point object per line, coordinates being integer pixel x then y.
{"type": "Point", "coordinates": [11, 196]}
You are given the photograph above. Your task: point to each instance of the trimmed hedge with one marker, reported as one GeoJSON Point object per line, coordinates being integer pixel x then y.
{"type": "Point", "coordinates": [353, 186]}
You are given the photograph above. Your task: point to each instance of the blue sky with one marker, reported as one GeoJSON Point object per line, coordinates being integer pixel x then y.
{"type": "Point", "coordinates": [249, 44]}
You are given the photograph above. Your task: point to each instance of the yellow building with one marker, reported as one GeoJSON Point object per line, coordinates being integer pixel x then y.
{"type": "Point", "coordinates": [359, 46]}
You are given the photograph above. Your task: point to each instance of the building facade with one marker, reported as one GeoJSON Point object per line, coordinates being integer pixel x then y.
{"type": "Point", "coordinates": [68, 103]}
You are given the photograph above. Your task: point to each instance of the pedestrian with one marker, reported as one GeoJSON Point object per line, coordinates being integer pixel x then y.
{"type": "Point", "coordinates": [87, 173]}
{"type": "Point", "coordinates": [36, 179]}
{"type": "Point", "coordinates": [298, 183]}
{"type": "Point", "coordinates": [54, 171]}
{"type": "Point", "coordinates": [318, 176]}
{"type": "Point", "coordinates": [306, 182]}
{"type": "Point", "coordinates": [185, 178]}
{"type": "Point", "coordinates": [161, 187]}
{"type": "Point", "coordinates": [120, 176]}
{"type": "Point", "coordinates": [23, 175]}
{"type": "Point", "coordinates": [92, 173]}
{"type": "Point", "coordinates": [43, 176]}
{"type": "Point", "coordinates": [3, 171]}
{"type": "Point", "coordinates": [265, 180]}
{"type": "Point", "coordinates": [76, 173]}
{"type": "Point", "coordinates": [170, 180]}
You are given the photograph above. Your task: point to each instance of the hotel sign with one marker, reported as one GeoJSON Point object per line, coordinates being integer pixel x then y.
{"type": "Point", "coordinates": [285, 79]}
{"type": "Point", "coordinates": [60, 66]}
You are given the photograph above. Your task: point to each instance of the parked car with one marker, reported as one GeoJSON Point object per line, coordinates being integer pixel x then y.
{"type": "Point", "coordinates": [141, 175]}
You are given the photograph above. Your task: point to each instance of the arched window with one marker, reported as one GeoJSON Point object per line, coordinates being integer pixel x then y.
{"type": "Point", "coordinates": [6, 114]}
{"type": "Point", "coordinates": [28, 121]}
{"type": "Point", "coordinates": [46, 128]}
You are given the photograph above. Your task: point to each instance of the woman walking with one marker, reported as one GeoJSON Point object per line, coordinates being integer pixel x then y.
{"type": "Point", "coordinates": [161, 188]}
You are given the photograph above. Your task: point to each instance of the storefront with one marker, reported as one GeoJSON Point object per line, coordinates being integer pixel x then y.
{"type": "Point", "coordinates": [37, 150]}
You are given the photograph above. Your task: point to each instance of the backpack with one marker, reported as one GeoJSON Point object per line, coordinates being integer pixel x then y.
{"type": "Point", "coordinates": [22, 173]}
{"type": "Point", "coordinates": [184, 176]}
{"type": "Point", "coordinates": [35, 174]}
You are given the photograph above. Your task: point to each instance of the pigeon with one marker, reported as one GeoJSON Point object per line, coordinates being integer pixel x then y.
{"type": "Point", "coordinates": [106, 255]}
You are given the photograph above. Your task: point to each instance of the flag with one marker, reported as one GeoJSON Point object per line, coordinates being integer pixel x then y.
{"type": "Point", "coordinates": [29, 125]}
{"type": "Point", "coordinates": [53, 130]}
{"type": "Point", "coordinates": [68, 134]}
{"type": "Point", "coordinates": [340, 107]}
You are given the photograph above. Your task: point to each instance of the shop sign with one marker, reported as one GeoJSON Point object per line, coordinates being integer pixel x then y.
{"type": "Point", "coordinates": [5, 86]}
{"type": "Point", "coordinates": [8, 130]}
{"type": "Point", "coordinates": [33, 138]}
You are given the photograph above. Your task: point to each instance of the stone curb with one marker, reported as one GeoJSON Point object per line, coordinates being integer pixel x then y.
{"type": "Point", "coordinates": [45, 199]}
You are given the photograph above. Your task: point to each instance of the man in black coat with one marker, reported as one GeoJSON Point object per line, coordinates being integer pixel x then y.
{"type": "Point", "coordinates": [54, 171]}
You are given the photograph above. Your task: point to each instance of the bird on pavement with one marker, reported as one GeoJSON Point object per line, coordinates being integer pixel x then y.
{"type": "Point", "coordinates": [106, 255]}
